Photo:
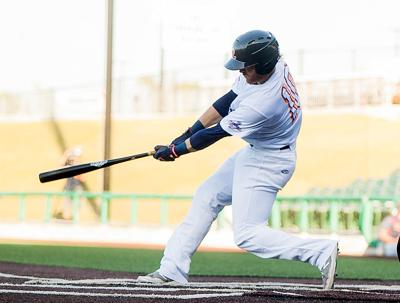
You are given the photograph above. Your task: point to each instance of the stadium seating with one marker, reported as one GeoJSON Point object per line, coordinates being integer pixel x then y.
{"type": "Point", "coordinates": [371, 187]}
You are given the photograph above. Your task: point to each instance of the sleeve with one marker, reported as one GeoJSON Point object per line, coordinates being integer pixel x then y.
{"type": "Point", "coordinates": [222, 104]}
{"type": "Point", "coordinates": [207, 136]}
{"type": "Point", "coordinates": [243, 121]}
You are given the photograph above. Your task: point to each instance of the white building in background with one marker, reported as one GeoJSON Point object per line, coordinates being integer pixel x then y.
{"type": "Point", "coordinates": [327, 79]}
{"type": "Point", "coordinates": [134, 99]}
{"type": "Point", "coordinates": [139, 98]}
{"type": "Point", "coordinates": [169, 55]}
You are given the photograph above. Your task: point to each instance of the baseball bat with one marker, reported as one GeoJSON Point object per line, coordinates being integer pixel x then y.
{"type": "Point", "coordinates": [73, 170]}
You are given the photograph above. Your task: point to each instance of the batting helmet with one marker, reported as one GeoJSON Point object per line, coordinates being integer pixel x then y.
{"type": "Point", "coordinates": [255, 47]}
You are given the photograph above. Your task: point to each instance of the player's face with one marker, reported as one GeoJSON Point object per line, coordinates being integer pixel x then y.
{"type": "Point", "coordinates": [251, 75]}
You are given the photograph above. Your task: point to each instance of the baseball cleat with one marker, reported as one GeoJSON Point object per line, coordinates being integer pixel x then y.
{"type": "Point", "coordinates": [154, 278]}
{"type": "Point", "coordinates": [328, 271]}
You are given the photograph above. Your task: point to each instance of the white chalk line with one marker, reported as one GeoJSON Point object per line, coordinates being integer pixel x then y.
{"type": "Point", "coordinates": [288, 293]}
{"type": "Point", "coordinates": [217, 287]}
{"type": "Point", "coordinates": [366, 292]}
{"type": "Point", "coordinates": [370, 287]}
{"type": "Point", "coordinates": [86, 294]}
{"type": "Point", "coordinates": [190, 286]}
{"type": "Point", "coordinates": [251, 285]}
{"type": "Point", "coordinates": [224, 285]}
{"type": "Point", "coordinates": [5, 275]}
{"type": "Point", "coordinates": [199, 285]}
{"type": "Point", "coordinates": [159, 289]}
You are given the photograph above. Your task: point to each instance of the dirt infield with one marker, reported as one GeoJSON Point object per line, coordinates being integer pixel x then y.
{"type": "Point", "coordinates": [35, 283]}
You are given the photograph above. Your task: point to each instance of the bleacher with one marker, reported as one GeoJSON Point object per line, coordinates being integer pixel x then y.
{"type": "Point", "coordinates": [379, 196]}
{"type": "Point", "coordinates": [371, 187]}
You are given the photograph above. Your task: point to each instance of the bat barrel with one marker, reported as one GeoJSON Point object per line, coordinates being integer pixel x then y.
{"type": "Point", "coordinates": [66, 172]}
{"type": "Point", "coordinates": [70, 171]}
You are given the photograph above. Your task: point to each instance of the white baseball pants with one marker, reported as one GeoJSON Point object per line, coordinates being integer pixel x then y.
{"type": "Point", "coordinates": [249, 180]}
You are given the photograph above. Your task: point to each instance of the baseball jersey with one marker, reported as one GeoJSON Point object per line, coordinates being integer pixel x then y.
{"type": "Point", "coordinates": [266, 115]}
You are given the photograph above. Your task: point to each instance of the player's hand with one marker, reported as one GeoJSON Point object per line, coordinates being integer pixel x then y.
{"type": "Point", "coordinates": [186, 135]}
{"type": "Point", "coordinates": [165, 153]}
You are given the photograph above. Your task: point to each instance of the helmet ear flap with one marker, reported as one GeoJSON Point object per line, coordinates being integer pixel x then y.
{"type": "Point", "coordinates": [273, 56]}
{"type": "Point", "coordinates": [266, 68]}
{"type": "Point", "coordinates": [262, 70]}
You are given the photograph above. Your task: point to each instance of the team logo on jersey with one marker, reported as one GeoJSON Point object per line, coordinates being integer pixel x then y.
{"type": "Point", "coordinates": [234, 124]}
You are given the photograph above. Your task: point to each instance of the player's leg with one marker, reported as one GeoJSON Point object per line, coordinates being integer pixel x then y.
{"type": "Point", "coordinates": [253, 235]}
{"type": "Point", "coordinates": [208, 201]}
{"type": "Point", "coordinates": [257, 179]}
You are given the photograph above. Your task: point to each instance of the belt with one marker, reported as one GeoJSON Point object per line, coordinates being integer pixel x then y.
{"type": "Point", "coordinates": [282, 148]}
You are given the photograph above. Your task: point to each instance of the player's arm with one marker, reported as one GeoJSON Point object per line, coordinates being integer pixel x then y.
{"type": "Point", "coordinates": [384, 233]}
{"type": "Point", "coordinates": [242, 122]}
{"type": "Point", "coordinates": [198, 141]}
{"type": "Point", "coordinates": [385, 236]}
{"type": "Point", "coordinates": [201, 134]}
{"type": "Point", "coordinates": [210, 117]}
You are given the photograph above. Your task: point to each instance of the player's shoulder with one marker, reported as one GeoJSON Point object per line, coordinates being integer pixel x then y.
{"type": "Point", "coordinates": [239, 85]}
{"type": "Point", "coordinates": [279, 72]}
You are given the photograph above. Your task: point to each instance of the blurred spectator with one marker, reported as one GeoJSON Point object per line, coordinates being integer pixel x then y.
{"type": "Point", "coordinates": [71, 156]}
{"type": "Point", "coordinates": [389, 232]}
{"type": "Point", "coordinates": [396, 94]}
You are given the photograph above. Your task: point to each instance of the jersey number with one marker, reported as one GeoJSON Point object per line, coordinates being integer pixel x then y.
{"type": "Point", "coordinates": [290, 95]}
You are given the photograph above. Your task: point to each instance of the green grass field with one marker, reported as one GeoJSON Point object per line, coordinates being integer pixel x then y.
{"type": "Point", "coordinates": [203, 263]}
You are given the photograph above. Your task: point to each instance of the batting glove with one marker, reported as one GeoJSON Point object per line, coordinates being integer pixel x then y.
{"type": "Point", "coordinates": [165, 153]}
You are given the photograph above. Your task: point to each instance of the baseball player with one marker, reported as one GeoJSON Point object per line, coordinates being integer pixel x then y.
{"type": "Point", "coordinates": [262, 108]}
